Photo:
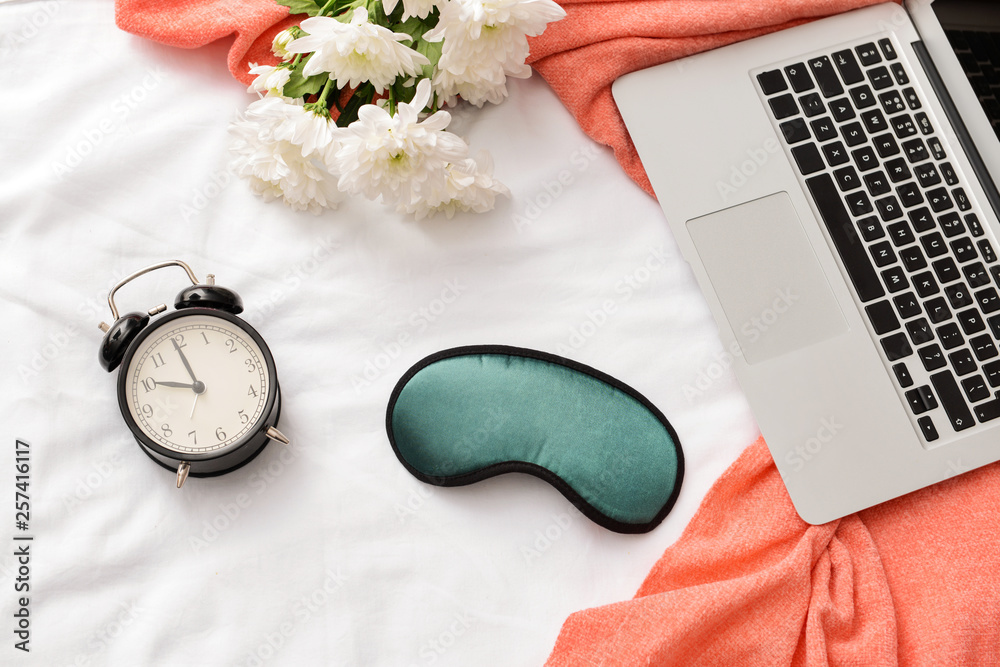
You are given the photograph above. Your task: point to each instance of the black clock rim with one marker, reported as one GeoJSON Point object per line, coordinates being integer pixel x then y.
{"type": "Point", "coordinates": [190, 457]}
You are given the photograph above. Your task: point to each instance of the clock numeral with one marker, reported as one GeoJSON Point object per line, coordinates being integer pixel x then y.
{"type": "Point", "coordinates": [231, 344]}
{"type": "Point", "coordinates": [167, 432]}
{"type": "Point", "coordinates": [179, 339]}
{"type": "Point", "coordinates": [205, 337]}
{"type": "Point", "coordinates": [194, 437]}
{"type": "Point", "coordinates": [147, 411]}
{"type": "Point", "coordinates": [220, 434]}
{"type": "Point", "coordinates": [149, 384]}
{"type": "Point", "coordinates": [244, 418]}
{"type": "Point", "coordinates": [250, 365]}
{"type": "Point", "coordinates": [158, 360]}
{"type": "Point", "coordinates": [251, 392]}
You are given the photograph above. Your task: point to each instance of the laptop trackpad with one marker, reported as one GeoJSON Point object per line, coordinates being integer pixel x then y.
{"type": "Point", "coordinates": [767, 277]}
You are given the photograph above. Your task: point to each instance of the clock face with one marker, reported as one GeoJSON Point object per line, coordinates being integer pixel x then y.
{"type": "Point", "coordinates": [197, 383]}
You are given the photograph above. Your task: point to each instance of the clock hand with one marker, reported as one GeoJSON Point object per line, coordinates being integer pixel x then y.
{"type": "Point", "coordinates": [194, 405]}
{"type": "Point", "coordinates": [175, 384]}
{"type": "Point", "coordinates": [184, 360]}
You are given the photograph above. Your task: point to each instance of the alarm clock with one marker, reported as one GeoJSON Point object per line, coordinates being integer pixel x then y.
{"type": "Point", "coordinates": [197, 386]}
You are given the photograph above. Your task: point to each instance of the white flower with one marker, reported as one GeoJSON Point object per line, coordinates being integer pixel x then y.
{"type": "Point", "coordinates": [354, 52]}
{"type": "Point", "coordinates": [486, 41]}
{"type": "Point", "coordinates": [270, 80]}
{"type": "Point", "coordinates": [418, 8]}
{"type": "Point", "coordinates": [279, 46]}
{"type": "Point", "coordinates": [284, 150]}
{"type": "Point", "coordinates": [397, 157]}
{"type": "Point", "coordinates": [468, 186]}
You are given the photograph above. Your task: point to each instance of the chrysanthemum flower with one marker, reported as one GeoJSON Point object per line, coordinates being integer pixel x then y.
{"type": "Point", "coordinates": [468, 186]}
{"type": "Point", "coordinates": [284, 150]}
{"type": "Point", "coordinates": [417, 8]}
{"type": "Point", "coordinates": [355, 52]}
{"type": "Point", "coordinates": [393, 157]}
{"type": "Point", "coordinates": [270, 80]}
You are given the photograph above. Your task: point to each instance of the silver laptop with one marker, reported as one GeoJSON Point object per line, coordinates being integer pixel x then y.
{"type": "Point", "coordinates": [833, 188]}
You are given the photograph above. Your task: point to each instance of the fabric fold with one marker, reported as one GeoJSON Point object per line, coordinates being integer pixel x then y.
{"type": "Point", "coordinates": [750, 583]}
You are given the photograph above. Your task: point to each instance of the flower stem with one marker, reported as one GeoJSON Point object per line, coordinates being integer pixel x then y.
{"type": "Point", "coordinates": [392, 100]}
{"type": "Point", "coordinates": [325, 92]}
{"type": "Point", "coordinates": [327, 6]}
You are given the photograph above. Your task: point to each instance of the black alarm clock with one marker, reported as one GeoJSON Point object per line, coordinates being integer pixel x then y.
{"type": "Point", "coordinates": [197, 386]}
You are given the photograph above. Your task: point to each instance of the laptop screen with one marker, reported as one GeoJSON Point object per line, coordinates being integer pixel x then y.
{"type": "Point", "coordinates": [973, 28]}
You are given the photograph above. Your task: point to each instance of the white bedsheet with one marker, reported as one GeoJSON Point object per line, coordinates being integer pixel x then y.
{"type": "Point", "coordinates": [328, 552]}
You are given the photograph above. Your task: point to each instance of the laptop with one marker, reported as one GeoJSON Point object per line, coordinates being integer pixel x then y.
{"type": "Point", "coordinates": [833, 187]}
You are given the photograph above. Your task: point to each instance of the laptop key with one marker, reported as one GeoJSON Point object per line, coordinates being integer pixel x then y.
{"type": "Point", "coordinates": [882, 317]}
{"type": "Point", "coordinates": [903, 126]}
{"type": "Point", "coordinates": [995, 272]}
{"type": "Point", "coordinates": [927, 175]}
{"type": "Point", "coordinates": [794, 131]}
{"type": "Point", "coordinates": [988, 411]}
{"type": "Point", "coordinates": [915, 150]}
{"type": "Point", "coordinates": [808, 158]}
{"type": "Point", "coordinates": [896, 347]}
{"type": "Point", "coordinates": [987, 251]}
{"type": "Point", "coordinates": [926, 425]}
{"type": "Point", "coordinates": [839, 225]}
{"type": "Point", "coordinates": [772, 82]}
{"type": "Point", "coordinates": [988, 300]}
{"type": "Point", "coordinates": [865, 158]}
{"type": "Point", "coordinates": [971, 321]}
{"type": "Point", "coordinates": [897, 169]}
{"type": "Point", "coordinates": [950, 177]}
{"type": "Point", "coordinates": [824, 129]}
{"type": "Point", "coordinates": [859, 203]}
{"type": "Point", "coordinates": [951, 224]}
{"type": "Point", "coordinates": [931, 357]}
{"type": "Point", "coordinates": [868, 54]}
{"type": "Point", "coordinates": [847, 178]}
{"type": "Point", "coordinates": [895, 279]}
{"type": "Point", "coordinates": [992, 371]}
{"type": "Point", "coordinates": [812, 105]}
{"type": "Point", "coordinates": [886, 145]}
{"type": "Point", "coordinates": [961, 199]}
{"type": "Point", "coordinates": [889, 208]}
{"type": "Point", "coordinates": [950, 336]}
{"type": "Point", "coordinates": [883, 254]}
{"type": "Point", "coordinates": [912, 257]}
{"type": "Point", "coordinates": [783, 106]}
{"type": "Point", "coordinates": [892, 101]}
{"type": "Point", "coordinates": [937, 150]}
{"type": "Point", "coordinates": [822, 70]}
{"type": "Point", "coordinates": [799, 77]}
{"type": "Point", "coordinates": [907, 305]}
{"type": "Point", "coordinates": [952, 400]}
{"type": "Point", "coordinates": [862, 96]}
{"type": "Point", "coordinates": [975, 388]}
{"type": "Point", "coordinates": [848, 67]}
{"type": "Point", "coordinates": [994, 323]}
{"type": "Point", "coordinates": [962, 362]}
{"type": "Point", "coordinates": [983, 347]}
{"type": "Point", "coordinates": [964, 250]}
{"type": "Point", "coordinates": [842, 110]}
{"type": "Point", "coordinates": [902, 375]}
{"type": "Point", "coordinates": [920, 331]}
{"type": "Point", "coordinates": [880, 78]}
{"type": "Point", "coordinates": [975, 227]}
{"type": "Point", "coordinates": [937, 310]}
{"type": "Point", "coordinates": [874, 121]}
{"type": "Point", "coordinates": [871, 228]}
{"type": "Point", "coordinates": [899, 74]}
{"type": "Point", "coordinates": [910, 195]}
{"type": "Point", "coordinates": [877, 183]}
{"type": "Point", "coordinates": [921, 399]}
{"type": "Point", "coordinates": [934, 244]}
{"type": "Point", "coordinates": [946, 270]}
{"type": "Point", "coordinates": [854, 134]}
{"type": "Point", "coordinates": [923, 122]}
{"type": "Point", "coordinates": [940, 200]}
{"type": "Point", "coordinates": [921, 219]}
{"type": "Point", "coordinates": [836, 154]}
{"type": "Point", "coordinates": [958, 295]}
{"type": "Point", "coordinates": [887, 48]}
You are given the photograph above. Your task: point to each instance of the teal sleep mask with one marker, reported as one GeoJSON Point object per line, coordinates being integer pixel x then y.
{"type": "Point", "coordinates": [469, 413]}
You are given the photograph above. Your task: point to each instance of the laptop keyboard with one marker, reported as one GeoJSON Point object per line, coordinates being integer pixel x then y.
{"type": "Point", "coordinates": [900, 215]}
{"type": "Point", "coordinates": [979, 53]}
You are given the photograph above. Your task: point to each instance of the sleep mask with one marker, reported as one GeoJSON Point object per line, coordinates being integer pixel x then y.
{"type": "Point", "coordinates": [469, 413]}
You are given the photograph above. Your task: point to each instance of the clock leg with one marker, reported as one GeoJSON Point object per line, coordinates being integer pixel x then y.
{"type": "Point", "coordinates": [182, 473]}
{"type": "Point", "coordinates": [276, 435]}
